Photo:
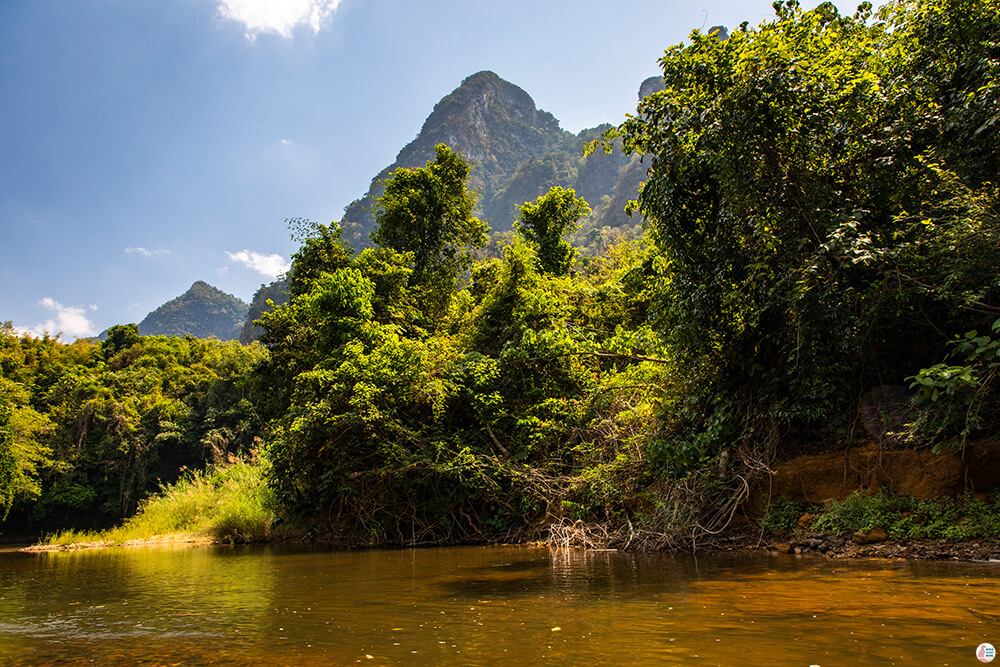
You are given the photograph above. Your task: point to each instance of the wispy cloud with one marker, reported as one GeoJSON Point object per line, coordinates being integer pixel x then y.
{"type": "Point", "coordinates": [69, 321]}
{"type": "Point", "coordinates": [139, 250]}
{"type": "Point", "coordinates": [279, 17]}
{"type": "Point", "coordinates": [267, 265]}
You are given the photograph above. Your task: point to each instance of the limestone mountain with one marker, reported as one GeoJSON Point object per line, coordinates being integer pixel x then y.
{"type": "Point", "coordinates": [202, 311]}
{"type": "Point", "coordinates": [517, 153]}
{"type": "Point", "coordinates": [653, 84]}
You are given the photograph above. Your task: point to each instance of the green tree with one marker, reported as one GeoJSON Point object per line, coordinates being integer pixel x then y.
{"type": "Point", "coordinates": [120, 337]}
{"type": "Point", "coordinates": [290, 331]}
{"type": "Point", "coordinates": [23, 456]}
{"type": "Point", "coordinates": [428, 211]}
{"type": "Point", "coordinates": [806, 176]}
{"type": "Point", "coordinates": [545, 222]}
{"type": "Point", "coordinates": [322, 250]}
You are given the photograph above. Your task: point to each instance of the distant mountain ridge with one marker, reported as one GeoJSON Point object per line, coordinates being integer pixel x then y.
{"type": "Point", "coordinates": [202, 311]}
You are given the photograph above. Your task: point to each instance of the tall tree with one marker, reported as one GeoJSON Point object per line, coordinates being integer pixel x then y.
{"type": "Point", "coordinates": [322, 251]}
{"type": "Point", "coordinates": [120, 337]}
{"type": "Point", "coordinates": [428, 211]}
{"type": "Point", "coordinates": [545, 222]}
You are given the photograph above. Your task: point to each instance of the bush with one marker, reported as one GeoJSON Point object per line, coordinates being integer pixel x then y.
{"type": "Point", "coordinates": [782, 513]}
{"type": "Point", "coordinates": [906, 518]}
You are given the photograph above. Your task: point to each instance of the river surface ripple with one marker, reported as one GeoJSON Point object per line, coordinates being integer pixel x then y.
{"type": "Point", "coordinates": [487, 605]}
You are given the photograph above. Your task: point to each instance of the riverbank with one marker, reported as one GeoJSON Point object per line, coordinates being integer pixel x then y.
{"type": "Point", "coordinates": [224, 504]}
{"type": "Point", "coordinates": [871, 544]}
{"type": "Point", "coordinates": [783, 515]}
{"type": "Point", "coordinates": [828, 545]}
{"type": "Point", "coordinates": [187, 539]}
{"type": "Point", "coordinates": [833, 546]}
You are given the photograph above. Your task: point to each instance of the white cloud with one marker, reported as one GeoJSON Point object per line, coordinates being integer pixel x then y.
{"type": "Point", "coordinates": [268, 265]}
{"type": "Point", "coordinates": [139, 250]}
{"type": "Point", "coordinates": [280, 17]}
{"type": "Point", "coordinates": [69, 321]}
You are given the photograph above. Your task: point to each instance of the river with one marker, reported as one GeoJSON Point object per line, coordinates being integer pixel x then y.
{"type": "Point", "coordinates": [485, 606]}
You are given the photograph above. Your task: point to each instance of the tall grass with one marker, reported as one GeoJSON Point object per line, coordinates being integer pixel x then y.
{"type": "Point", "coordinates": [229, 503]}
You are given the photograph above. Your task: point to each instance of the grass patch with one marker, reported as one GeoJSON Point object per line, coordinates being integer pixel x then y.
{"type": "Point", "coordinates": [229, 503]}
{"type": "Point", "coordinates": [964, 517]}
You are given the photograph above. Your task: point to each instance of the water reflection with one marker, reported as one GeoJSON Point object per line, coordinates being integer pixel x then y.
{"type": "Point", "coordinates": [486, 605]}
{"type": "Point", "coordinates": [121, 602]}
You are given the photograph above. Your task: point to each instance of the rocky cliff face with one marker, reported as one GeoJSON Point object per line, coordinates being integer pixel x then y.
{"type": "Point", "coordinates": [494, 123]}
{"type": "Point", "coordinates": [517, 152]}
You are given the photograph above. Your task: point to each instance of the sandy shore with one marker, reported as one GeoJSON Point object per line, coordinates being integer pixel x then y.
{"type": "Point", "coordinates": [173, 539]}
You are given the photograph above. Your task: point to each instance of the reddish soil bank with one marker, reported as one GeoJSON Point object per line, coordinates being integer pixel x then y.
{"type": "Point", "coordinates": [818, 478]}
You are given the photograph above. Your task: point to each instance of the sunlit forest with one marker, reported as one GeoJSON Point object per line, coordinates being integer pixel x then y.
{"type": "Point", "coordinates": [821, 220]}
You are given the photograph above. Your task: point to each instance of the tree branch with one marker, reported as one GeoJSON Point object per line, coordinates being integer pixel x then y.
{"type": "Point", "coordinates": [489, 432]}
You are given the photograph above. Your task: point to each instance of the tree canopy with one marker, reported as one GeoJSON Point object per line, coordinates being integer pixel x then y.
{"type": "Point", "coordinates": [806, 178]}
{"type": "Point", "coordinates": [545, 222]}
{"type": "Point", "coordinates": [428, 211]}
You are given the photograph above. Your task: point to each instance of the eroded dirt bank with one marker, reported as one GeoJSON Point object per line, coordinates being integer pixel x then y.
{"type": "Point", "coordinates": [816, 479]}
{"type": "Point", "coordinates": [819, 479]}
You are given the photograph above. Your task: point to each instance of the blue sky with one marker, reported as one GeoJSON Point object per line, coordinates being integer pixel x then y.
{"type": "Point", "coordinates": [148, 144]}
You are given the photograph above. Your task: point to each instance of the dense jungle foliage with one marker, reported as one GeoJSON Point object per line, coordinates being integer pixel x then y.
{"type": "Point", "coordinates": [822, 198]}
{"type": "Point", "coordinates": [822, 220]}
{"type": "Point", "coordinates": [88, 429]}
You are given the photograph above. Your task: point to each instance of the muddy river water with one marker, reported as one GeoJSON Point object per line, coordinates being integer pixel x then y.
{"type": "Point", "coordinates": [486, 606]}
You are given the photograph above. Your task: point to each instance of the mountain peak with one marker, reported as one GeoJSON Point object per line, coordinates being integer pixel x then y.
{"type": "Point", "coordinates": [482, 76]}
{"type": "Point", "coordinates": [493, 123]}
{"type": "Point", "coordinates": [203, 311]}
{"type": "Point", "coordinates": [489, 84]}
{"type": "Point", "coordinates": [653, 84]}
{"type": "Point", "coordinates": [201, 288]}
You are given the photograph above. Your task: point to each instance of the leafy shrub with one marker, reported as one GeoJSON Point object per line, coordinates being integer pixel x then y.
{"type": "Point", "coordinates": [955, 396]}
{"type": "Point", "coordinates": [782, 513]}
{"type": "Point", "coordinates": [860, 512]}
{"type": "Point", "coordinates": [905, 518]}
